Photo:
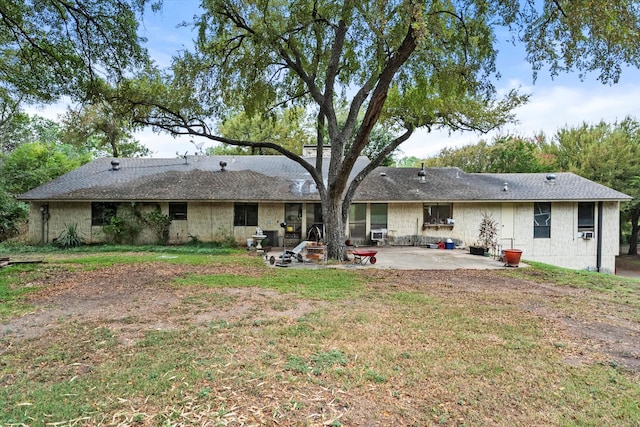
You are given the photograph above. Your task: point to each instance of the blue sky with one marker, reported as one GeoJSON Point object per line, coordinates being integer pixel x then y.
{"type": "Point", "coordinates": [554, 104]}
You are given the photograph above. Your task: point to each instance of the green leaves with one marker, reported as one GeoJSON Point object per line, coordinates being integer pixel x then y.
{"type": "Point", "coordinates": [52, 48]}
{"type": "Point", "coordinates": [583, 35]}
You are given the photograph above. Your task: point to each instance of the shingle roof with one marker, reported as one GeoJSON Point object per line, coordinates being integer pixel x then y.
{"type": "Point", "coordinates": [277, 178]}
{"type": "Point", "coordinates": [452, 184]}
{"type": "Point", "coordinates": [194, 178]}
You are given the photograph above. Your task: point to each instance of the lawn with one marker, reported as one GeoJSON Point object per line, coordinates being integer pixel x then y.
{"type": "Point", "coordinates": [179, 338]}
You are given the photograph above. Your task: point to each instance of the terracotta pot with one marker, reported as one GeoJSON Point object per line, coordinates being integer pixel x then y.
{"type": "Point", "coordinates": [512, 257]}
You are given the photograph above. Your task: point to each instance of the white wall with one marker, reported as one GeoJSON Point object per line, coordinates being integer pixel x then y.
{"type": "Point", "coordinates": [515, 224]}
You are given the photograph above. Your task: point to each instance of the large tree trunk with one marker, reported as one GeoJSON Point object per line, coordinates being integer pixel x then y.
{"type": "Point", "coordinates": [335, 229]}
{"type": "Point", "coordinates": [633, 240]}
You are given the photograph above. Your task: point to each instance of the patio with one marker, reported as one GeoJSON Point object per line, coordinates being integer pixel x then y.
{"type": "Point", "coordinates": [415, 258]}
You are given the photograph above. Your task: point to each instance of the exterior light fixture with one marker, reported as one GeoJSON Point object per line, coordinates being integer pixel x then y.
{"type": "Point", "coordinates": [422, 175]}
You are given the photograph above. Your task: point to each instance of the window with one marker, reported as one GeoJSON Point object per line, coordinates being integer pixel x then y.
{"type": "Point", "coordinates": [358, 221]}
{"type": "Point", "coordinates": [245, 215]}
{"type": "Point", "coordinates": [378, 216]}
{"type": "Point", "coordinates": [101, 213]}
{"type": "Point", "coordinates": [178, 211]}
{"type": "Point", "coordinates": [437, 214]}
{"type": "Point", "coordinates": [542, 220]}
{"type": "Point", "coordinates": [586, 216]}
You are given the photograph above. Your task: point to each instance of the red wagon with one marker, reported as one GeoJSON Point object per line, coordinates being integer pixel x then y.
{"type": "Point", "coordinates": [362, 256]}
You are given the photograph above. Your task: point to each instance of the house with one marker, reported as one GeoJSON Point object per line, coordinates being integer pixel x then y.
{"type": "Point", "coordinates": [560, 219]}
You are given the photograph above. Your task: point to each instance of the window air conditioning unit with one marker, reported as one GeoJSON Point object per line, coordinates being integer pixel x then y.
{"type": "Point", "coordinates": [587, 235]}
{"type": "Point", "coordinates": [378, 234]}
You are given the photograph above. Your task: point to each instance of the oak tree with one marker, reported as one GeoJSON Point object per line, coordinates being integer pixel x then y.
{"type": "Point", "coordinates": [404, 63]}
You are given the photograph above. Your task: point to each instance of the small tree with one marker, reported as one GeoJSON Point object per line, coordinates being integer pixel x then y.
{"type": "Point", "coordinates": [488, 232]}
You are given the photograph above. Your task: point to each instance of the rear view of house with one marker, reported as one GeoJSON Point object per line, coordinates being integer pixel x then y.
{"type": "Point", "coordinates": [560, 219]}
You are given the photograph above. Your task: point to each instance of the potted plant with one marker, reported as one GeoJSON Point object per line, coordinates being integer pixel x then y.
{"type": "Point", "coordinates": [266, 245]}
{"type": "Point", "coordinates": [487, 236]}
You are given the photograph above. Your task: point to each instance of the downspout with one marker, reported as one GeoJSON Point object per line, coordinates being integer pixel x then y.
{"type": "Point", "coordinates": [599, 239]}
{"type": "Point", "coordinates": [44, 224]}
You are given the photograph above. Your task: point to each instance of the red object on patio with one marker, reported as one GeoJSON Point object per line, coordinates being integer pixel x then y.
{"type": "Point", "coordinates": [361, 256]}
{"type": "Point", "coordinates": [512, 257]}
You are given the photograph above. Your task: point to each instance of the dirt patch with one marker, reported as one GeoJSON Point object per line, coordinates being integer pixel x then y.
{"type": "Point", "coordinates": [133, 299]}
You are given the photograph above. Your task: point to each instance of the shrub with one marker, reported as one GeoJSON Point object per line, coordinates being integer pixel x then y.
{"type": "Point", "coordinates": [124, 227]}
{"type": "Point", "coordinates": [12, 215]}
{"type": "Point", "coordinates": [159, 223]}
{"type": "Point", "coordinates": [223, 237]}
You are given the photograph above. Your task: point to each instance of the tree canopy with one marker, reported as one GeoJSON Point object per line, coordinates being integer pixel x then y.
{"type": "Point", "coordinates": [55, 48]}
{"type": "Point", "coordinates": [608, 153]}
{"type": "Point", "coordinates": [99, 128]}
{"type": "Point", "coordinates": [288, 128]}
{"type": "Point", "coordinates": [402, 63]}
{"type": "Point", "coordinates": [505, 154]}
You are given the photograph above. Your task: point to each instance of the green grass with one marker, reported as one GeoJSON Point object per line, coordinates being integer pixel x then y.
{"type": "Point", "coordinates": [329, 284]}
{"type": "Point", "coordinates": [190, 248]}
{"type": "Point", "coordinates": [15, 286]}
{"type": "Point", "coordinates": [607, 288]}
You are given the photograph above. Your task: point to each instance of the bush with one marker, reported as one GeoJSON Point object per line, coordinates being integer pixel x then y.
{"type": "Point", "coordinates": [13, 215]}
{"type": "Point", "coordinates": [159, 223]}
{"type": "Point", "coordinates": [223, 238]}
{"type": "Point", "coordinates": [125, 227]}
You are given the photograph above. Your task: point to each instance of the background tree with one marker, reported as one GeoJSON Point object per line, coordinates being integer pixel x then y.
{"type": "Point", "coordinates": [100, 129]}
{"type": "Point", "coordinates": [408, 162]}
{"type": "Point", "coordinates": [409, 63]}
{"type": "Point", "coordinates": [505, 154]}
{"type": "Point", "coordinates": [22, 128]}
{"type": "Point", "coordinates": [608, 154]}
{"type": "Point", "coordinates": [27, 166]}
{"type": "Point", "coordinates": [287, 128]}
{"type": "Point", "coordinates": [32, 164]}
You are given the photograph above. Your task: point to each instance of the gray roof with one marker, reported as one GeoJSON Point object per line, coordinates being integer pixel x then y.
{"type": "Point", "coordinates": [277, 178]}
{"type": "Point", "coordinates": [452, 184]}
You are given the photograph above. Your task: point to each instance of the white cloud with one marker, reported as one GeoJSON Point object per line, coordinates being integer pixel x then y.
{"type": "Point", "coordinates": [550, 108]}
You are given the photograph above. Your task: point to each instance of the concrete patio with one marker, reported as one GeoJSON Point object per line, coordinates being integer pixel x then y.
{"type": "Point", "coordinates": [414, 258]}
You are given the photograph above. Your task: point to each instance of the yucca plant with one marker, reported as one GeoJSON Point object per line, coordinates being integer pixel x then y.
{"type": "Point", "coordinates": [69, 237]}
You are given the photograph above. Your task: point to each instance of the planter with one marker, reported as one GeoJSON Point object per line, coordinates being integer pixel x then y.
{"type": "Point", "coordinates": [477, 250]}
{"type": "Point", "coordinates": [512, 257]}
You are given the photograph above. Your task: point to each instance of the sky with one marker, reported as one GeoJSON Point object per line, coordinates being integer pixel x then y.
{"type": "Point", "coordinates": [565, 101]}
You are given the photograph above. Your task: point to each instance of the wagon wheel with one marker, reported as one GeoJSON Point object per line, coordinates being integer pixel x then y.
{"type": "Point", "coordinates": [272, 260]}
{"type": "Point", "coordinates": [372, 260]}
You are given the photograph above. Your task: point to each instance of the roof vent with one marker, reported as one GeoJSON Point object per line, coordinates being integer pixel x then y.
{"type": "Point", "coordinates": [506, 187]}
{"type": "Point", "coordinates": [115, 165]}
{"type": "Point", "coordinates": [223, 165]}
{"type": "Point", "coordinates": [422, 175]}
{"type": "Point", "coordinates": [551, 178]}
